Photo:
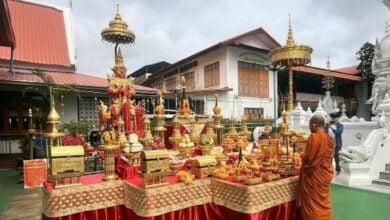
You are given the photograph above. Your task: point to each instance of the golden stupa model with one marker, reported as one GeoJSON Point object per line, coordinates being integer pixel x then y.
{"type": "Point", "coordinates": [65, 163]}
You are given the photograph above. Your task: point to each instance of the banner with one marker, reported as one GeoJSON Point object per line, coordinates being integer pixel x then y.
{"type": "Point", "coordinates": [35, 173]}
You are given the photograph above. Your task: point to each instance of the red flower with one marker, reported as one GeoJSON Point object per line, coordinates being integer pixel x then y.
{"type": "Point", "coordinates": [69, 140]}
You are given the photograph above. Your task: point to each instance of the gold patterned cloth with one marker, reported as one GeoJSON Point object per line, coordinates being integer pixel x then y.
{"type": "Point", "coordinates": [82, 198]}
{"type": "Point", "coordinates": [169, 198]}
{"type": "Point", "coordinates": [252, 199]}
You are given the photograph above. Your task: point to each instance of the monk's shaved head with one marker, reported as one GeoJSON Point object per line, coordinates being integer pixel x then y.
{"type": "Point", "coordinates": [317, 120]}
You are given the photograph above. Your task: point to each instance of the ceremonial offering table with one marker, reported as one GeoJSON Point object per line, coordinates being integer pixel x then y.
{"type": "Point", "coordinates": [124, 170]}
{"type": "Point", "coordinates": [204, 199]}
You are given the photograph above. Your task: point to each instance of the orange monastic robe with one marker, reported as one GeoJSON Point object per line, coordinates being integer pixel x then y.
{"type": "Point", "coordinates": [316, 176]}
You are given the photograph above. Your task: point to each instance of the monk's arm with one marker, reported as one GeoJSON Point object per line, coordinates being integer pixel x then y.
{"type": "Point", "coordinates": [312, 156]}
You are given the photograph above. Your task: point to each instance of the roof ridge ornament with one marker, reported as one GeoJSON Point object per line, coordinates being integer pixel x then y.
{"type": "Point", "coordinates": [290, 36]}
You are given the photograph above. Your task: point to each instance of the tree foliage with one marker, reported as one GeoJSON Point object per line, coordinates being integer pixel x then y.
{"type": "Point", "coordinates": [48, 89]}
{"type": "Point", "coordinates": [366, 55]}
{"type": "Point", "coordinates": [48, 84]}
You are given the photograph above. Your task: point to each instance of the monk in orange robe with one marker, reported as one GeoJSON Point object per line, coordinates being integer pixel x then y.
{"type": "Point", "coordinates": [316, 175]}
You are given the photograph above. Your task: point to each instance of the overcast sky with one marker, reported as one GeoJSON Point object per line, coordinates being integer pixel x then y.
{"type": "Point", "coordinates": [173, 29]}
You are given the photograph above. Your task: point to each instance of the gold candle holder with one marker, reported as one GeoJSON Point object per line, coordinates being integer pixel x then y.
{"type": "Point", "coordinates": [109, 161]}
{"type": "Point", "coordinates": [176, 137]}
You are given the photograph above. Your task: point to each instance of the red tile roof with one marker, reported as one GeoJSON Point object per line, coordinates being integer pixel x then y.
{"type": "Point", "coordinates": [352, 70]}
{"type": "Point", "coordinates": [323, 72]}
{"type": "Point", "coordinates": [76, 79]}
{"type": "Point", "coordinates": [40, 35]}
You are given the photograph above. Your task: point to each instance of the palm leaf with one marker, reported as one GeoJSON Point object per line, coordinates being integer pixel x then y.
{"type": "Point", "coordinates": [47, 80]}
{"type": "Point", "coordinates": [35, 89]}
{"type": "Point", "coordinates": [59, 90]}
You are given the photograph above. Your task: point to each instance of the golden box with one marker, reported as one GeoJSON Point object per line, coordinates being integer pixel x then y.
{"type": "Point", "coordinates": [66, 162]}
{"type": "Point", "coordinates": [203, 166]}
{"type": "Point", "coordinates": [154, 161]}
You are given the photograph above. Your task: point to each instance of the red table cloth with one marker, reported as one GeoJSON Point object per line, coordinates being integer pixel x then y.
{"type": "Point", "coordinates": [124, 170]}
{"type": "Point", "coordinates": [200, 212]}
{"type": "Point", "coordinates": [109, 196]}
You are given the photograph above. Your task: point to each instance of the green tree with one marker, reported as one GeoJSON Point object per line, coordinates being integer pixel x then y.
{"type": "Point", "coordinates": [366, 55]}
{"type": "Point", "coordinates": [47, 91]}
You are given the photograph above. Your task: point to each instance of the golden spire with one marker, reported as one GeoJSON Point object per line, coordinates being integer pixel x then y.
{"type": "Point", "coordinates": [118, 15]}
{"type": "Point", "coordinates": [183, 80]}
{"type": "Point", "coordinates": [53, 115]}
{"type": "Point", "coordinates": [328, 80]}
{"type": "Point", "coordinates": [328, 63]}
{"type": "Point", "coordinates": [53, 120]}
{"type": "Point", "coordinates": [118, 32]}
{"type": "Point", "coordinates": [119, 57]}
{"type": "Point", "coordinates": [290, 36]}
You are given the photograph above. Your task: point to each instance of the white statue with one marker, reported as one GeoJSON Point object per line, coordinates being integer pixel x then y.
{"type": "Point", "coordinates": [365, 151]}
{"type": "Point", "coordinates": [379, 89]}
{"type": "Point", "coordinates": [328, 103]}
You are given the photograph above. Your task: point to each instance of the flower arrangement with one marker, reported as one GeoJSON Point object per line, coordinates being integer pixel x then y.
{"type": "Point", "coordinates": [70, 140]}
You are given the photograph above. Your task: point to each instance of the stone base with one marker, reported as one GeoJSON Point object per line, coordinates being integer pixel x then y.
{"type": "Point", "coordinates": [354, 174]}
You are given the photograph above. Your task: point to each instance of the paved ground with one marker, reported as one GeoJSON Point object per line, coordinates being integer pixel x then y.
{"type": "Point", "coordinates": [16, 202]}
{"type": "Point", "coordinates": [27, 206]}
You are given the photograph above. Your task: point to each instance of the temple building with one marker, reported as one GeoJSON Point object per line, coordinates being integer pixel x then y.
{"type": "Point", "coordinates": [234, 68]}
{"type": "Point", "coordinates": [237, 69]}
{"type": "Point", "coordinates": [37, 36]}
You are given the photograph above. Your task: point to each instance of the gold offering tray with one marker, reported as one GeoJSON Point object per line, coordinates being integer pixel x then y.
{"type": "Point", "coordinates": [253, 181]}
{"type": "Point", "coordinates": [110, 147]}
{"type": "Point", "coordinates": [239, 178]}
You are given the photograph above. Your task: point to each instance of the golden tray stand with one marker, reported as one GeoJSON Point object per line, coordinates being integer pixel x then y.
{"type": "Point", "coordinates": [109, 161]}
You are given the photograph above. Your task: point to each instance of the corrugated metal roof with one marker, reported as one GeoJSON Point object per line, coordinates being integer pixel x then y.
{"type": "Point", "coordinates": [40, 35]}
{"type": "Point", "coordinates": [59, 78]}
{"type": "Point", "coordinates": [324, 72]}
{"type": "Point", "coordinates": [352, 70]}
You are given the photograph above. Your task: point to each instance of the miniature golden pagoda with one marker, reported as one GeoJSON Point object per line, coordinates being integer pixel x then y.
{"type": "Point", "coordinates": [217, 121]}
{"type": "Point", "coordinates": [244, 129]}
{"type": "Point", "coordinates": [175, 139]}
{"type": "Point", "coordinates": [160, 129]}
{"type": "Point", "coordinates": [194, 135]}
{"type": "Point", "coordinates": [147, 140]}
{"type": "Point", "coordinates": [284, 130]}
{"type": "Point", "coordinates": [185, 106]}
{"type": "Point", "coordinates": [66, 163]}
{"type": "Point", "coordinates": [210, 130]}
{"type": "Point", "coordinates": [121, 133]}
{"type": "Point", "coordinates": [233, 131]}
{"type": "Point", "coordinates": [291, 55]}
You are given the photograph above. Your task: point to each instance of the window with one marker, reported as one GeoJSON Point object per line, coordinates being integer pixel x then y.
{"type": "Point", "coordinates": [88, 109]}
{"type": "Point", "coordinates": [1, 119]}
{"type": "Point", "coordinates": [211, 75]}
{"type": "Point", "coordinates": [253, 113]}
{"type": "Point", "coordinates": [253, 80]}
{"type": "Point", "coordinates": [13, 119]}
{"type": "Point", "coordinates": [26, 120]}
{"type": "Point", "coordinates": [190, 81]}
{"type": "Point", "coordinates": [158, 86]}
{"type": "Point", "coordinates": [170, 84]}
{"type": "Point", "coordinates": [171, 73]}
{"type": "Point", "coordinates": [188, 66]}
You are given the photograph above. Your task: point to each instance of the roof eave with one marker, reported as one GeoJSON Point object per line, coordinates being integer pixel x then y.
{"type": "Point", "coordinates": [8, 31]}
